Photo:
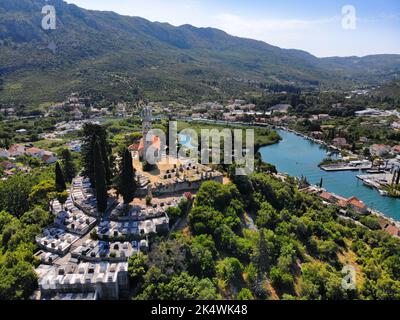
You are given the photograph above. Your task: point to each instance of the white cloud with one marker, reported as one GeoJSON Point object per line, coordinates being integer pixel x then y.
{"type": "Point", "coordinates": [286, 33]}
{"type": "Point", "coordinates": [232, 21]}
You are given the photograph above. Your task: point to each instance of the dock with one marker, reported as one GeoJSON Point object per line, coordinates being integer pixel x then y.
{"type": "Point", "coordinates": [377, 181]}
{"type": "Point", "coordinates": [351, 166]}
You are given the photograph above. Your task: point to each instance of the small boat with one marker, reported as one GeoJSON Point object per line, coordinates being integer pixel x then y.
{"type": "Point", "coordinates": [373, 171]}
{"type": "Point", "coordinates": [383, 192]}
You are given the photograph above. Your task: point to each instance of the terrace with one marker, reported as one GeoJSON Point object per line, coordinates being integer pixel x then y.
{"type": "Point", "coordinates": [174, 175]}
{"type": "Point", "coordinates": [138, 210]}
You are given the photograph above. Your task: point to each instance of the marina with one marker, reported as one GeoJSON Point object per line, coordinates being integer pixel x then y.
{"type": "Point", "coordinates": [298, 157]}
{"type": "Point", "coordinates": [351, 166]}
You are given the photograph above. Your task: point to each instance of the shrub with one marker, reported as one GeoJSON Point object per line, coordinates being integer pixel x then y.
{"type": "Point", "coordinates": [245, 294]}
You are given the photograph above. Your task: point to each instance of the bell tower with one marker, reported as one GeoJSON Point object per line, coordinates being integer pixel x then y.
{"type": "Point", "coordinates": [147, 119]}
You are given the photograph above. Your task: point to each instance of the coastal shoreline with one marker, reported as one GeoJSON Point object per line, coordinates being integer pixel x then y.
{"type": "Point", "coordinates": [373, 211]}
{"type": "Point", "coordinates": [320, 142]}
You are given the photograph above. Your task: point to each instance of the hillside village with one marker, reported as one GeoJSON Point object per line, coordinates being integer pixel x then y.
{"type": "Point", "coordinates": [10, 163]}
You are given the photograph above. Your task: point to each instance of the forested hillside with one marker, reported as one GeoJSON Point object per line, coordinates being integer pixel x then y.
{"type": "Point", "coordinates": [296, 249]}
{"type": "Point", "coordinates": [119, 57]}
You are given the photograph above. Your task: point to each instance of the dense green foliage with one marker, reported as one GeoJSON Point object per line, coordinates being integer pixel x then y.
{"type": "Point", "coordinates": [21, 192]}
{"type": "Point", "coordinates": [69, 167]}
{"type": "Point", "coordinates": [297, 249]}
{"type": "Point", "coordinates": [95, 136]}
{"type": "Point", "coordinates": [100, 178]}
{"type": "Point", "coordinates": [126, 182]}
{"type": "Point", "coordinates": [23, 214]}
{"type": "Point", "coordinates": [60, 181]}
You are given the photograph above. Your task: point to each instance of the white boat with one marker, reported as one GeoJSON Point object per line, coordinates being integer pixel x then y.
{"type": "Point", "coordinates": [383, 192]}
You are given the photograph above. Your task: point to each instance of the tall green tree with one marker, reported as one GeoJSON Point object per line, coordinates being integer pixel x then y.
{"type": "Point", "coordinates": [261, 262]}
{"type": "Point", "coordinates": [126, 185]}
{"type": "Point", "coordinates": [60, 181]}
{"type": "Point", "coordinates": [100, 179]}
{"type": "Point", "coordinates": [68, 165]}
{"type": "Point", "coordinates": [95, 134]}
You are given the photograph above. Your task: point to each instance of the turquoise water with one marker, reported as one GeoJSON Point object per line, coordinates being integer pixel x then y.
{"type": "Point", "coordinates": [185, 140]}
{"type": "Point", "coordinates": [297, 156]}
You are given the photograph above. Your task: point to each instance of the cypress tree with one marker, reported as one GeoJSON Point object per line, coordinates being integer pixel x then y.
{"type": "Point", "coordinates": [60, 181]}
{"type": "Point", "coordinates": [100, 179]}
{"type": "Point", "coordinates": [94, 133]}
{"type": "Point", "coordinates": [261, 263]}
{"type": "Point", "coordinates": [126, 181]}
{"type": "Point", "coordinates": [69, 166]}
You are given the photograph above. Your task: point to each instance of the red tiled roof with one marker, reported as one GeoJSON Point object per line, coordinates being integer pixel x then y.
{"type": "Point", "coordinates": [396, 149]}
{"type": "Point", "coordinates": [356, 203]}
{"type": "Point", "coordinates": [326, 196]}
{"type": "Point", "coordinates": [380, 146]}
{"type": "Point", "coordinates": [15, 147]}
{"type": "Point", "coordinates": [7, 165]}
{"type": "Point", "coordinates": [47, 157]}
{"type": "Point", "coordinates": [342, 203]}
{"type": "Point", "coordinates": [33, 150]}
{"type": "Point", "coordinates": [392, 230]}
{"type": "Point", "coordinates": [156, 142]}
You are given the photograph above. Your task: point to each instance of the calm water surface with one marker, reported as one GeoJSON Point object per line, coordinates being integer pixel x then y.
{"type": "Point", "coordinates": [298, 156]}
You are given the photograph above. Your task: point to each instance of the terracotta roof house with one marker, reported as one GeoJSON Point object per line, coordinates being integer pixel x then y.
{"type": "Point", "coordinates": [16, 150]}
{"type": "Point", "coordinates": [49, 157]}
{"type": "Point", "coordinates": [9, 172]}
{"type": "Point", "coordinates": [35, 152]}
{"type": "Point", "coordinates": [393, 230]}
{"type": "Point", "coordinates": [155, 143]}
{"type": "Point", "coordinates": [357, 205]}
{"type": "Point", "coordinates": [396, 149]}
{"type": "Point", "coordinates": [327, 196]}
{"type": "Point", "coordinates": [353, 203]}
{"type": "Point", "coordinates": [342, 203]}
{"type": "Point", "coordinates": [6, 165]}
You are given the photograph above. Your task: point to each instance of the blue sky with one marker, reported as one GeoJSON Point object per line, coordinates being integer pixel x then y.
{"type": "Point", "coordinates": [314, 26]}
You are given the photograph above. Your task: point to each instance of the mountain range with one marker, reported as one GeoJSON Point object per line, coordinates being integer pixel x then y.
{"type": "Point", "coordinates": [119, 57]}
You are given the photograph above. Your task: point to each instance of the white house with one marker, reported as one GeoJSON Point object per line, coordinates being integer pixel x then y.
{"type": "Point", "coordinates": [4, 153]}
{"type": "Point", "coordinates": [49, 157]}
{"type": "Point", "coordinates": [379, 150]}
{"type": "Point", "coordinates": [74, 145]}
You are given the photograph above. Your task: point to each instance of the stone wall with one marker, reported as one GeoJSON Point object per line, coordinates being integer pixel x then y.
{"type": "Point", "coordinates": [178, 187]}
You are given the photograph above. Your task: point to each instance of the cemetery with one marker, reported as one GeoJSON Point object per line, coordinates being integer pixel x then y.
{"type": "Point", "coordinates": [96, 251]}
{"type": "Point", "coordinates": [103, 280]}
{"type": "Point", "coordinates": [56, 240]}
